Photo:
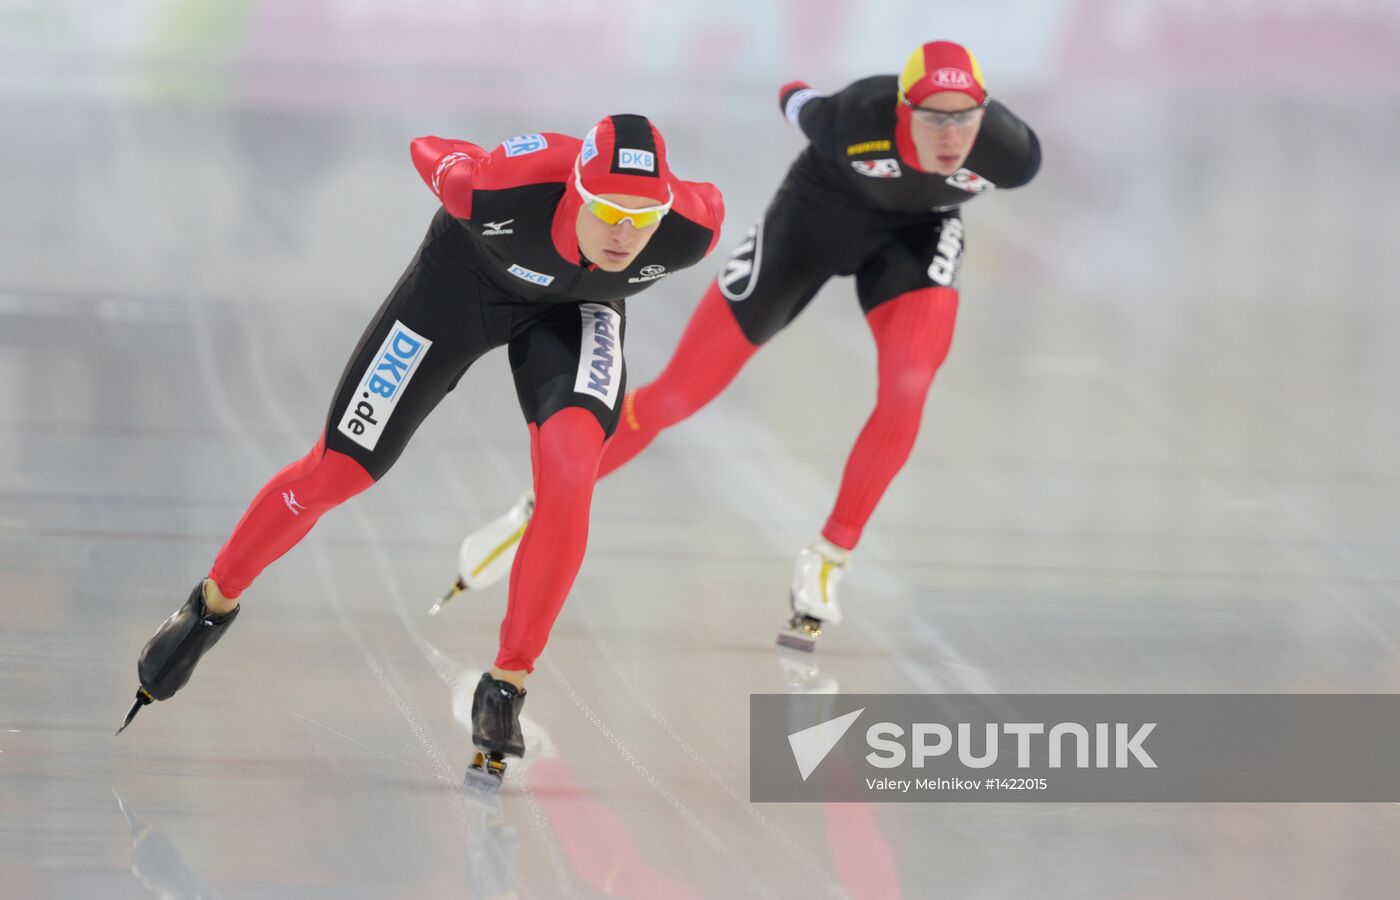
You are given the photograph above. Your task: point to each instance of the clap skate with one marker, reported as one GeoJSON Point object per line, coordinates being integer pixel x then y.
{"type": "Point", "coordinates": [169, 658]}
{"type": "Point", "coordinates": [488, 553]}
{"type": "Point", "coordinates": [813, 595]}
{"type": "Point", "coordinates": [495, 731]}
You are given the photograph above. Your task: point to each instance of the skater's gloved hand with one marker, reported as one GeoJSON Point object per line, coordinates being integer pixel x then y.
{"type": "Point", "coordinates": [446, 167]}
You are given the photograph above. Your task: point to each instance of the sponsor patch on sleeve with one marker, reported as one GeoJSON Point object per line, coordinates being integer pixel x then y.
{"type": "Point", "coordinates": [867, 147]}
{"type": "Point", "coordinates": [877, 168]}
{"type": "Point", "coordinates": [970, 181]}
{"type": "Point", "coordinates": [522, 144]}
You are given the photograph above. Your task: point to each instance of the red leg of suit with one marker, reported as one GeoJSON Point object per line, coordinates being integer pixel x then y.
{"type": "Point", "coordinates": [710, 354]}
{"type": "Point", "coordinates": [564, 453]}
{"type": "Point", "coordinates": [912, 334]}
{"type": "Point", "coordinates": [283, 512]}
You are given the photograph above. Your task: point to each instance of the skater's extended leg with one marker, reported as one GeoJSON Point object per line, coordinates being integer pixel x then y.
{"type": "Point", "coordinates": [911, 318]}
{"type": "Point", "coordinates": [569, 382]}
{"type": "Point", "coordinates": [912, 321]}
{"type": "Point", "coordinates": [912, 334]}
{"type": "Point", "coordinates": [567, 447]}
{"type": "Point", "coordinates": [565, 452]}
{"type": "Point", "coordinates": [710, 354]}
{"type": "Point", "coordinates": [570, 378]}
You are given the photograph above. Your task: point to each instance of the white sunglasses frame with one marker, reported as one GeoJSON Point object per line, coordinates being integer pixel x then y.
{"type": "Point", "coordinates": [627, 211]}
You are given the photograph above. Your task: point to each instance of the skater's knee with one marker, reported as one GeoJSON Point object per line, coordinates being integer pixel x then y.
{"type": "Point", "coordinates": [570, 446]}
{"type": "Point", "coordinates": [906, 387]}
{"type": "Point", "coordinates": [660, 405]}
{"type": "Point", "coordinates": [332, 479]}
{"type": "Point", "coordinates": [562, 474]}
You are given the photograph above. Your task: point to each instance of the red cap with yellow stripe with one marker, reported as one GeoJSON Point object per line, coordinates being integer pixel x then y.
{"type": "Point", "coordinates": [941, 66]}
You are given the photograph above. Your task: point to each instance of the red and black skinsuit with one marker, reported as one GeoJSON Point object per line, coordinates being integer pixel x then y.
{"type": "Point", "coordinates": [500, 266]}
{"type": "Point", "coordinates": [855, 202]}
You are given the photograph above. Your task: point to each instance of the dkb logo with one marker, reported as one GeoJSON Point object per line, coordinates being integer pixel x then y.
{"type": "Point", "coordinates": [388, 374]}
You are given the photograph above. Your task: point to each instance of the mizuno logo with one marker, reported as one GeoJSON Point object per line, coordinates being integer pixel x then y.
{"type": "Point", "coordinates": [293, 503]}
{"type": "Point", "coordinates": [493, 228]}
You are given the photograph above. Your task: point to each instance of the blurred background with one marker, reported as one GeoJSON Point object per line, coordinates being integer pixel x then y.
{"type": "Point", "coordinates": [1161, 456]}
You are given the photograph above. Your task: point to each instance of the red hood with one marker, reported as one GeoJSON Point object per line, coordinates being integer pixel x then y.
{"type": "Point", "coordinates": [904, 137]}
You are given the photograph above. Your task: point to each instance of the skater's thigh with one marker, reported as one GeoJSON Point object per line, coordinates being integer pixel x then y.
{"type": "Point", "coordinates": [570, 355]}
{"type": "Point", "coordinates": [783, 260]}
{"type": "Point", "coordinates": [414, 350]}
{"type": "Point", "coordinates": [912, 259]}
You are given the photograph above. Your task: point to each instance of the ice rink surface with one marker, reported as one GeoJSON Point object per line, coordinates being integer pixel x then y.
{"type": "Point", "coordinates": [1161, 457]}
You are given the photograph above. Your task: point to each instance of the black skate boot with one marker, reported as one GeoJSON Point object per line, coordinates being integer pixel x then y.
{"type": "Point", "coordinates": [169, 658]}
{"type": "Point", "coordinates": [495, 730]}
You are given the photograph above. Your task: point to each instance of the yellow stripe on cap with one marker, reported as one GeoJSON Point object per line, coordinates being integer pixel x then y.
{"type": "Point", "coordinates": [976, 70]}
{"type": "Point", "coordinates": [914, 71]}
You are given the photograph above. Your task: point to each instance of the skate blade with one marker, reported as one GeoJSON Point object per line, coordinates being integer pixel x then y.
{"type": "Point", "coordinates": [796, 641]}
{"type": "Point", "coordinates": [458, 587]}
{"type": "Point", "coordinates": [484, 777]}
{"type": "Point", "coordinates": [143, 698]}
{"type": "Point", "coordinates": [800, 633]}
{"type": "Point", "coordinates": [482, 791]}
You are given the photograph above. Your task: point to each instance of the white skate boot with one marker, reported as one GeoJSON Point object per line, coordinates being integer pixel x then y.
{"type": "Point", "coordinates": [813, 597]}
{"type": "Point", "coordinates": [488, 553]}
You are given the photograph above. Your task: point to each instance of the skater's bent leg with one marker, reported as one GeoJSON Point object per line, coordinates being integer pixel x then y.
{"type": "Point", "coordinates": [566, 448]}
{"type": "Point", "coordinates": [281, 514]}
{"type": "Point", "coordinates": [912, 334]}
{"type": "Point", "coordinates": [711, 352]}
